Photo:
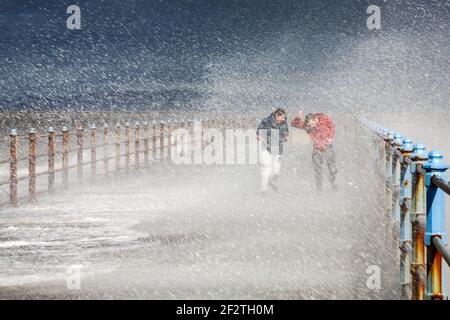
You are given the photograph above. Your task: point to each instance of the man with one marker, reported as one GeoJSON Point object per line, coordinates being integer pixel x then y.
{"type": "Point", "coordinates": [321, 130]}
{"type": "Point", "coordinates": [273, 132]}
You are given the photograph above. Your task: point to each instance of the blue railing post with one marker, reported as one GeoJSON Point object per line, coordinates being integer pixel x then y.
{"type": "Point", "coordinates": [405, 220]}
{"type": "Point", "coordinates": [418, 219]}
{"type": "Point", "coordinates": [396, 143]}
{"type": "Point", "coordinates": [396, 176]}
{"type": "Point", "coordinates": [388, 138]}
{"type": "Point", "coordinates": [435, 166]}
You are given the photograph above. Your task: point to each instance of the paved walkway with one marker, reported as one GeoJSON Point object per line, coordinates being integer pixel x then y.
{"type": "Point", "coordinates": [204, 232]}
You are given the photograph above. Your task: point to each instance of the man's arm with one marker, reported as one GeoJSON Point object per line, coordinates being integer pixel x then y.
{"type": "Point", "coordinates": [285, 132]}
{"type": "Point", "coordinates": [331, 129]}
{"type": "Point", "coordinates": [262, 126]}
{"type": "Point", "coordinates": [298, 123]}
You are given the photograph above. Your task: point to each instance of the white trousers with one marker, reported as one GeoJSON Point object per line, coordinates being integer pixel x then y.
{"type": "Point", "coordinates": [270, 165]}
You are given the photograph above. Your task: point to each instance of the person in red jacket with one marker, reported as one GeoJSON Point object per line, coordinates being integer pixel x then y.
{"type": "Point", "coordinates": [321, 130]}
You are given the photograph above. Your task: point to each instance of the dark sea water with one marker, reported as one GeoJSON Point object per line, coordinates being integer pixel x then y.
{"type": "Point", "coordinates": [235, 55]}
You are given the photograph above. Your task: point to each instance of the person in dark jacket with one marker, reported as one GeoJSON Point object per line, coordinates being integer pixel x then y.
{"type": "Point", "coordinates": [321, 129]}
{"type": "Point", "coordinates": [272, 132]}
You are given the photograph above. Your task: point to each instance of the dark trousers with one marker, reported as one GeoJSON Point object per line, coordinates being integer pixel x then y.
{"type": "Point", "coordinates": [328, 156]}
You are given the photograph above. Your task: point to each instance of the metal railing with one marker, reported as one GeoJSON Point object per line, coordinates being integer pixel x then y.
{"type": "Point", "coordinates": [416, 187]}
{"type": "Point", "coordinates": [146, 138]}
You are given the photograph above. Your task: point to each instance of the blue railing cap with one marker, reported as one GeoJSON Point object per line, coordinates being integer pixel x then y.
{"type": "Point", "coordinates": [420, 151]}
{"type": "Point", "coordinates": [407, 145]}
{"type": "Point", "coordinates": [398, 139]}
{"type": "Point", "coordinates": [435, 161]}
{"type": "Point", "coordinates": [420, 146]}
{"type": "Point", "coordinates": [407, 140]}
{"type": "Point", "coordinates": [13, 132]}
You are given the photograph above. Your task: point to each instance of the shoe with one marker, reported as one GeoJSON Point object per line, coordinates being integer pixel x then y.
{"type": "Point", "coordinates": [272, 182]}
{"type": "Point", "coordinates": [273, 186]}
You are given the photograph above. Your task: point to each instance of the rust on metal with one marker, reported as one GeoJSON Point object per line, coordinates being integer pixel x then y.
{"type": "Point", "coordinates": [93, 150]}
{"type": "Point", "coordinates": [161, 141]}
{"type": "Point", "coordinates": [117, 147]}
{"type": "Point", "coordinates": [105, 148]}
{"type": "Point", "coordinates": [32, 164]}
{"type": "Point", "coordinates": [418, 265]}
{"type": "Point", "coordinates": [127, 146]}
{"type": "Point", "coordinates": [137, 145]}
{"type": "Point", "coordinates": [65, 157]}
{"type": "Point", "coordinates": [435, 273]}
{"type": "Point", "coordinates": [154, 141]}
{"type": "Point", "coordinates": [13, 168]}
{"type": "Point", "coordinates": [145, 129]}
{"type": "Point", "coordinates": [169, 140]}
{"type": "Point", "coordinates": [51, 160]}
{"type": "Point", "coordinates": [80, 142]}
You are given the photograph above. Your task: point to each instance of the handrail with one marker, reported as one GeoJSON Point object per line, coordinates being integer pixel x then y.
{"type": "Point", "coordinates": [147, 138]}
{"type": "Point", "coordinates": [442, 248]}
{"type": "Point", "coordinates": [416, 188]}
{"type": "Point", "coordinates": [441, 184]}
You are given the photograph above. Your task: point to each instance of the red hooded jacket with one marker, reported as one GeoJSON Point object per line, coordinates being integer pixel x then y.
{"type": "Point", "coordinates": [321, 134]}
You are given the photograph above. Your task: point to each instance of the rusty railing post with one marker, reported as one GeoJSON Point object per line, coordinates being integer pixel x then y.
{"type": "Point", "coordinates": [193, 142]}
{"type": "Point", "coordinates": [145, 126]}
{"type": "Point", "coordinates": [117, 147]}
{"type": "Point", "coordinates": [169, 140]}
{"type": "Point", "coordinates": [137, 145]}
{"type": "Point", "coordinates": [183, 144]}
{"type": "Point", "coordinates": [202, 122]}
{"type": "Point", "coordinates": [388, 181]}
{"type": "Point", "coordinates": [80, 150]}
{"type": "Point", "coordinates": [127, 146]}
{"type": "Point", "coordinates": [32, 164]}
{"type": "Point", "coordinates": [51, 160]}
{"type": "Point", "coordinates": [65, 157]}
{"type": "Point", "coordinates": [154, 140]}
{"type": "Point", "coordinates": [405, 220]}
{"type": "Point", "coordinates": [161, 141]}
{"type": "Point", "coordinates": [93, 150]}
{"type": "Point", "coordinates": [436, 227]}
{"type": "Point", "coordinates": [105, 148]}
{"type": "Point", "coordinates": [13, 168]}
{"type": "Point", "coordinates": [418, 218]}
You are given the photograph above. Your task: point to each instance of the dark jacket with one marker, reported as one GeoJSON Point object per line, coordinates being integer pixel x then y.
{"type": "Point", "coordinates": [264, 132]}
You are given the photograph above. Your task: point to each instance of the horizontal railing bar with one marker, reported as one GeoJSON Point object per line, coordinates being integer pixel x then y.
{"type": "Point", "coordinates": [441, 184]}
{"type": "Point", "coordinates": [421, 170]}
{"type": "Point", "coordinates": [442, 248]}
{"type": "Point", "coordinates": [407, 160]}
